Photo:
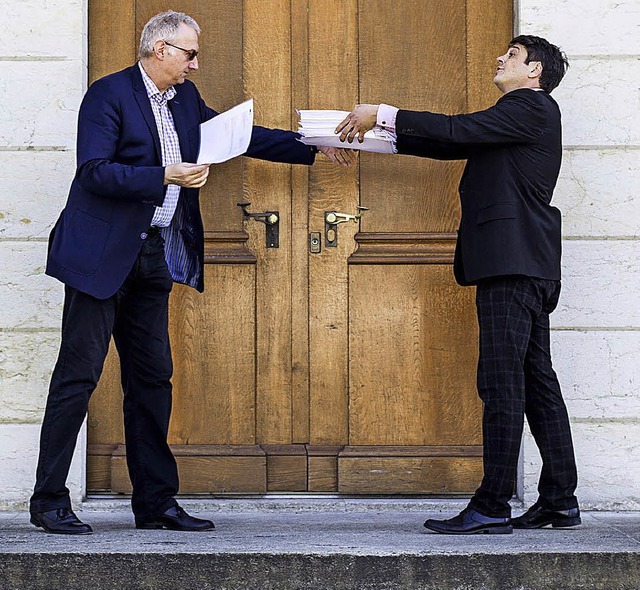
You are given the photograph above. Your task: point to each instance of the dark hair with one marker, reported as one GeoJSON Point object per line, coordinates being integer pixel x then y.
{"type": "Point", "coordinates": [554, 61]}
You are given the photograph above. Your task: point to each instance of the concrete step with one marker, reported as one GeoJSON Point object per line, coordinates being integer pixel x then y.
{"type": "Point", "coordinates": [318, 545]}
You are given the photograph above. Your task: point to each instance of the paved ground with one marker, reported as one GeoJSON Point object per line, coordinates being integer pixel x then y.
{"type": "Point", "coordinates": [280, 532]}
{"type": "Point", "coordinates": [324, 527]}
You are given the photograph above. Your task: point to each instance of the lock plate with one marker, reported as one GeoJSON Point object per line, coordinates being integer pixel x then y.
{"type": "Point", "coordinates": [315, 242]}
{"type": "Point", "coordinates": [273, 229]}
{"type": "Point", "coordinates": [330, 229]}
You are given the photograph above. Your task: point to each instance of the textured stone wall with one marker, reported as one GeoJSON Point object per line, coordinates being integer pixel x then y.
{"type": "Point", "coordinates": [596, 338]}
{"type": "Point", "coordinates": [42, 79]}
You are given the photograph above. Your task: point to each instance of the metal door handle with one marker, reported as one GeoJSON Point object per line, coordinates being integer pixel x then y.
{"type": "Point", "coordinates": [331, 221]}
{"type": "Point", "coordinates": [271, 219]}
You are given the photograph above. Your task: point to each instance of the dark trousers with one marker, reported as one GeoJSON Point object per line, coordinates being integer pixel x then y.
{"type": "Point", "coordinates": [516, 378]}
{"type": "Point", "coordinates": [137, 317]}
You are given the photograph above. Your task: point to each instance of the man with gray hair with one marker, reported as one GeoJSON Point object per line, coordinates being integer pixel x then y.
{"type": "Point", "coordinates": [130, 228]}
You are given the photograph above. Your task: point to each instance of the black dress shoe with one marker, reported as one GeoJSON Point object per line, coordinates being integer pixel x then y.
{"type": "Point", "coordinates": [176, 519]}
{"type": "Point", "coordinates": [61, 521]}
{"type": "Point", "coordinates": [471, 522]}
{"type": "Point", "coordinates": [537, 517]}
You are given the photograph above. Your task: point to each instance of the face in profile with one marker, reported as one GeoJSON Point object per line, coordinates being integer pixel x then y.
{"type": "Point", "coordinates": [512, 71]}
{"type": "Point", "coordinates": [177, 64]}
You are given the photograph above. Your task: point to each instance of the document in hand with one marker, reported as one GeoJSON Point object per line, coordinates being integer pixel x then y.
{"type": "Point", "coordinates": [227, 135]}
{"type": "Point", "coordinates": [317, 128]}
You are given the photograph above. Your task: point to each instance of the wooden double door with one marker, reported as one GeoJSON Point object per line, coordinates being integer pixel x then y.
{"type": "Point", "coordinates": [345, 366]}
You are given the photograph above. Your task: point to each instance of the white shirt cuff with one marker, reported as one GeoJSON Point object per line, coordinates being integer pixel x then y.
{"type": "Point", "coordinates": [387, 117]}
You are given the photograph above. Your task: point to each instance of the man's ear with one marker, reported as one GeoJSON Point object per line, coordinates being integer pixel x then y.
{"type": "Point", "coordinates": [158, 49]}
{"type": "Point", "coordinates": [535, 69]}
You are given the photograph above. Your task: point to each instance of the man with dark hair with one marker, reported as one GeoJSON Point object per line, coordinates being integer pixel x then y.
{"type": "Point", "coordinates": [539, 49]}
{"type": "Point", "coordinates": [509, 245]}
{"type": "Point", "coordinates": [130, 228]}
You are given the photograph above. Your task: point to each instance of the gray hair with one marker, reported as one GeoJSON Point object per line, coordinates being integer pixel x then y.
{"type": "Point", "coordinates": [161, 27]}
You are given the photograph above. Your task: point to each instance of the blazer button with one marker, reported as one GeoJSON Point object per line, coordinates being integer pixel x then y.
{"type": "Point", "coordinates": [143, 236]}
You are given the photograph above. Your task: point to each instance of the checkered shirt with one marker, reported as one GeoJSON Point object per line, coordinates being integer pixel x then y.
{"type": "Point", "coordinates": [169, 144]}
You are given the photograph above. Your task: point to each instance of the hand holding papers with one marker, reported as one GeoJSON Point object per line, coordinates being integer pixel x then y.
{"type": "Point", "coordinates": [358, 122]}
{"type": "Point", "coordinates": [186, 174]}
{"type": "Point", "coordinates": [317, 127]}
{"type": "Point", "coordinates": [226, 135]}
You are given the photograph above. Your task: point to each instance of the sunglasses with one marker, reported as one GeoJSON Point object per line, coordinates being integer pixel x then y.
{"type": "Point", "coordinates": [191, 53]}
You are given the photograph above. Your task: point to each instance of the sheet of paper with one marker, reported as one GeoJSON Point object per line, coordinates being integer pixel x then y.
{"type": "Point", "coordinates": [317, 128]}
{"type": "Point", "coordinates": [226, 135]}
{"type": "Point", "coordinates": [370, 144]}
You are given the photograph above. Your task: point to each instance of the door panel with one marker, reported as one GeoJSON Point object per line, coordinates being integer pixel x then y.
{"type": "Point", "coordinates": [350, 370]}
{"type": "Point", "coordinates": [333, 83]}
{"type": "Point", "coordinates": [410, 353]}
{"type": "Point", "coordinates": [267, 40]}
{"type": "Point", "coordinates": [201, 328]}
{"type": "Point", "coordinates": [426, 70]}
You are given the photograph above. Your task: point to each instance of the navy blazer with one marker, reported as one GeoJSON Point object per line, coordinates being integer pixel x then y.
{"type": "Point", "coordinates": [513, 152]}
{"type": "Point", "coordinates": [119, 182]}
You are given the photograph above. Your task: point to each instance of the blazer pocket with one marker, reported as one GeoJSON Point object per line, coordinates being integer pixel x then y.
{"type": "Point", "coordinates": [495, 212]}
{"type": "Point", "coordinates": [85, 242]}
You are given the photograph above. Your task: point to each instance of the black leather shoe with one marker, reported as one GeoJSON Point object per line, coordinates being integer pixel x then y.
{"type": "Point", "coordinates": [61, 521]}
{"type": "Point", "coordinates": [176, 519]}
{"type": "Point", "coordinates": [538, 517]}
{"type": "Point", "coordinates": [471, 522]}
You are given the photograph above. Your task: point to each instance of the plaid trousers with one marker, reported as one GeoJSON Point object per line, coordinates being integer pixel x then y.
{"type": "Point", "coordinates": [516, 378]}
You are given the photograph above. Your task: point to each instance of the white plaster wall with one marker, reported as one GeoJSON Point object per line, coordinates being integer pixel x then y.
{"type": "Point", "coordinates": [19, 444]}
{"type": "Point", "coordinates": [42, 80]}
{"type": "Point", "coordinates": [596, 337]}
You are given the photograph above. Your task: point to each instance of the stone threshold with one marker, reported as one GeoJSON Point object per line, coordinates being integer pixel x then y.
{"type": "Point", "coordinates": [287, 545]}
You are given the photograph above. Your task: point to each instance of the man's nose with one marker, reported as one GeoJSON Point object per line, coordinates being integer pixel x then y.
{"type": "Point", "coordinates": [193, 64]}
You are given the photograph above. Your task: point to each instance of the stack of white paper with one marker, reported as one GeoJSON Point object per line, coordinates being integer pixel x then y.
{"type": "Point", "coordinates": [317, 127]}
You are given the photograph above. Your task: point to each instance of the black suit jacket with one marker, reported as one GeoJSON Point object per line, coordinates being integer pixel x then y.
{"type": "Point", "coordinates": [513, 152]}
{"type": "Point", "coordinates": [119, 182]}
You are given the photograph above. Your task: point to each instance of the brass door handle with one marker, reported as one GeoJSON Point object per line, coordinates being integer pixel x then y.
{"type": "Point", "coordinates": [331, 221]}
{"type": "Point", "coordinates": [271, 219]}
{"type": "Point", "coordinates": [333, 217]}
